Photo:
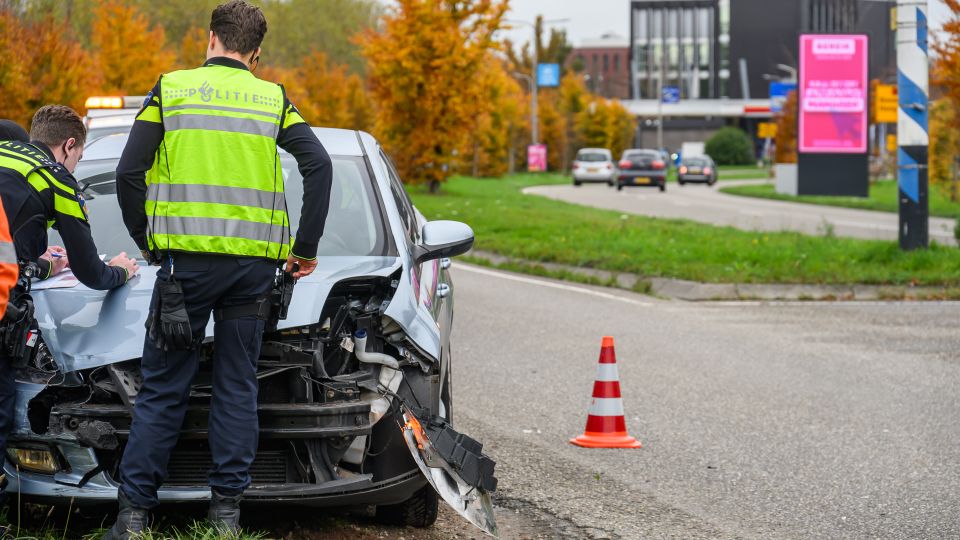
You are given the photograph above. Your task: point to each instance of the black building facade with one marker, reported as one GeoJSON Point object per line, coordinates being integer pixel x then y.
{"type": "Point", "coordinates": [766, 33]}
{"type": "Point", "coordinates": [733, 48]}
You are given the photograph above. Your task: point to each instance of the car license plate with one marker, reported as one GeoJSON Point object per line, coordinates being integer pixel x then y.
{"type": "Point", "coordinates": [694, 171]}
{"type": "Point", "coordinates": [643, 180]}
{"type": "Point", "coordinates": [592, 169]}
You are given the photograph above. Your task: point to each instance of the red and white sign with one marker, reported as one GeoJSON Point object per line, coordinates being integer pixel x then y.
{"type": "Point", "coordinates": [833, 94]}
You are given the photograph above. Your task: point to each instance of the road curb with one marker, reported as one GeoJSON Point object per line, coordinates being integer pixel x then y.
{"type": "Point", "coordinates": [695, 291]}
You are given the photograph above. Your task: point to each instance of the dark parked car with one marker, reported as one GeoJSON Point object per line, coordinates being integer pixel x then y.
{"type": "Point", "coordinates": [697, 169]}
{"type": "Point", "coordinates": [642, 168]}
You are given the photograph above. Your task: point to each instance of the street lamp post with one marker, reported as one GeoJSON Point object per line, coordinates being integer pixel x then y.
{"type": "Point", "coordinates": [534, 84]}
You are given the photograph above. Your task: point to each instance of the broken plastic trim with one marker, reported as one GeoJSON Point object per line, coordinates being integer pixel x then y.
{"type": "Point", "coordinates": [471, 502]}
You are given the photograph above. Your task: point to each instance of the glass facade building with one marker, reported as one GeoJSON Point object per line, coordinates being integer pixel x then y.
{"type": "Point", "coordinates": [684, 42]}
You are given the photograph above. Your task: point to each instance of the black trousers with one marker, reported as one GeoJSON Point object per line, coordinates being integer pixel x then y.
{"type": "Point", "coordinates": [208, 282]}
{"type": "Point", "coordinates": [8, 401]}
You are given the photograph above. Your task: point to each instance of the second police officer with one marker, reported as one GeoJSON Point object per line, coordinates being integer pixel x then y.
{"type": "Point", "coordinates": [201, 191]}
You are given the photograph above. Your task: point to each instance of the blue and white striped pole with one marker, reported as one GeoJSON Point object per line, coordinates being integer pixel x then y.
{"type": "Point", "coordinates": [912, 137]}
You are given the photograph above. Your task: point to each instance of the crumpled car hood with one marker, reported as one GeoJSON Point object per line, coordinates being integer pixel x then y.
{"type": "Point", "coordinates": [84, 328]}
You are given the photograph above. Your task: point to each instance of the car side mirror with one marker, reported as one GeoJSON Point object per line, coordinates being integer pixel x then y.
{"type": "Point", "coordinates": [443, 239]}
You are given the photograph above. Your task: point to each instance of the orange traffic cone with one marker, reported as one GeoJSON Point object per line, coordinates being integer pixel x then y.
{"type": "Point", "coordinates": [606, 426]}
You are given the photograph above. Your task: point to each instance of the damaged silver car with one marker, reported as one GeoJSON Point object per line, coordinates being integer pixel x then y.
{"type": "Point", "coordinates": [355, 380]}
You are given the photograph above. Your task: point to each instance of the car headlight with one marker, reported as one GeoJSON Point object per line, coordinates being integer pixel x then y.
{"type": "Point", "coordinates": [34, 458]}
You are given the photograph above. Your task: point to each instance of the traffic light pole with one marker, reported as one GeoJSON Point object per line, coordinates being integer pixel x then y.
{"type": "Point", "coordinates": [912, 136]}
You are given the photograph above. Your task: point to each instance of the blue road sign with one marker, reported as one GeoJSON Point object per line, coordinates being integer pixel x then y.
{"type": "Point", "coordinates": [548, 75]}
{"type": "Point", "coordinates": [671, 94]}
{"type": "Point", "coordinates": [778, 94]}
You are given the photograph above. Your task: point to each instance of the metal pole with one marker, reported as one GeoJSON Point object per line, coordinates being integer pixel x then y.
{"type": "Point", "coordinates": [912, 138]}
{"type": "Point", "coordinates": [663, 73]}
{"type": "Point", "coordinates": [534, 122]}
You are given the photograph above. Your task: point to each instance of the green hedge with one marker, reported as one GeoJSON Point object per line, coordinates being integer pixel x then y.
{"type": "Point", "coordinates": [730, 146]}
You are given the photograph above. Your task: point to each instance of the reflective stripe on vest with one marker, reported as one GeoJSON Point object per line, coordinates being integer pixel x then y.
{"type": "Point", "coordinates": [32, 165]}
{"type": "Point", "coordinates": [217, 185]}
{"type": "Point", "coordinates": [8, 254]}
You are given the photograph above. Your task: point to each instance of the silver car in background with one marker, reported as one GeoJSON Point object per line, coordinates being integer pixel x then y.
{"type": "Point", "coordinates": [594, 165]}
{"type": "Point", "coordinates": [364, 348]}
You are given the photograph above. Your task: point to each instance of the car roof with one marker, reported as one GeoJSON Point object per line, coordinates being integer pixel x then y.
{"type": "Point", "coordinates": [337, 142]}
{"type": "Point", "coordinates": [604, 150]}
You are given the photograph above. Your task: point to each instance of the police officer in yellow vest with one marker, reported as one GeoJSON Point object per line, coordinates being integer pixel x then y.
{"type": "Point", "coordinates": [201, 190]}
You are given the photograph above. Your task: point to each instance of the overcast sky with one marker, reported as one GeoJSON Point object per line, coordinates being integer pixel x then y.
{"type": "Point", "coordinates": [592, 18]}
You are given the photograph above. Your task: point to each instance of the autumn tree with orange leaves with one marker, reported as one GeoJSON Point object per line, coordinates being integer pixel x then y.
{"type": "Point", "coordinates": [130, 53]}
{"type": "Point", "coordinates": [422, 66]}
{"type": "Point", "coordinates": [945, 111]}
{"type": "Point", "coordinates": [49, 67]}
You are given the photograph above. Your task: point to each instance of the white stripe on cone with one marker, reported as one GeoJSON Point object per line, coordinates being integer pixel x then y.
{"type": "Point", "coordinates": [606, 407]}
{"type": "Point", "coordinates": [607, 372]}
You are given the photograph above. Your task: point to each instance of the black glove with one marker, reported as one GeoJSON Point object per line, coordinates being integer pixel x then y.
{"type": "Point", "coordinates": [170, 330]}
{"type": "Point", "coordinates": [152, 257]}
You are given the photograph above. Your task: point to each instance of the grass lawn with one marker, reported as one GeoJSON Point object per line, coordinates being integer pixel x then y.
{"type": "Point", "coordinates": [542, 230]}
{"type": "Point", "coordinates": [883, 197]}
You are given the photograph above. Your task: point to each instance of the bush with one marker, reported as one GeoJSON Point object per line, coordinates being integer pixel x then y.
{"type": "Point", "coordinates": [730, 146]}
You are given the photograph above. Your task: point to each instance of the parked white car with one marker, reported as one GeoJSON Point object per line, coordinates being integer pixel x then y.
{"type": "Point", "coordinates": [594, 165]}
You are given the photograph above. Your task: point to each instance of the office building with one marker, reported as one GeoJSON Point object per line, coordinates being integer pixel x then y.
{"type": "Point", "coordinates": [605, 65]}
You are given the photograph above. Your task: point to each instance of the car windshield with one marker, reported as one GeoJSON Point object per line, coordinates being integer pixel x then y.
{"type": "Point", "coordinates": [591, 156]}
{"type": "Point", "coordinates": [354, 226]}
{"type": "Point", "coordinates": [96, 133]}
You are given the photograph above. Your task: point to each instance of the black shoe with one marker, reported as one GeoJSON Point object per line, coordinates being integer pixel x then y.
{"type": "Point", "coordinates": [224, 513]}
{"type": "Point", "coordinates": [130, 520]}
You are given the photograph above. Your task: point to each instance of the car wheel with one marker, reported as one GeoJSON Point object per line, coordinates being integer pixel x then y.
{"type": "Point", "coordinates": [610, 183]}
{"type": "Point", "coordinates": [663, 186]}
{"type": "Point", "coordinates": [420, 510]}
{"type": "Point", "coordinates": [576, 183]}
{"type": "Point", "coordinates": [619, 186]}
{"type": "Point", "coordinates": [681, 182]}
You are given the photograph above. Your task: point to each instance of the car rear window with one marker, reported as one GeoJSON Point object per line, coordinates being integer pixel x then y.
{"type": "Point", "coordinates": [591, 156]}
{"type": "Point", "coordinates": [647, 155]}
{"type": "Point", "coordinates": [696, 162]}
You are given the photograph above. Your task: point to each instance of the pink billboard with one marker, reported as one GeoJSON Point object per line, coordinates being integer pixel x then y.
{"type": "Point", "coordinates": [536, 157]}
{"type": "Point", "coordinates": [833, 94]}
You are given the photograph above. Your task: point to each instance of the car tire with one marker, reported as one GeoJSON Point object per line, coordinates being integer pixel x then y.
{"type": "Point", "coordinates": [576, 183]}
{"type": "Point", "coordinates": [420, 510]}
{"type": "Point", "coordinates": [681, 182]}
{"type": "Point", "coordinates": [663, 186]}
{"type": "Point", "coordinates": [619, 186]}
{"type": "Point", "coordinates": [610, 183]}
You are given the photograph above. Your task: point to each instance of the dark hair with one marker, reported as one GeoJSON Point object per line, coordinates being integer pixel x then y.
{"type": "Point", "coordinates": [54, 124]}
{"type": "Point", "coordinates": [11, 131]}
{"type": "Point", "coordinates": [239, 26]}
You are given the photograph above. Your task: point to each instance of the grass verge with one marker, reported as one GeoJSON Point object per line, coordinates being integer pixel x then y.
{"type": "Point", "coordinates": [883, 197]}
{"type": "Point", "coordinates": [542, 230]}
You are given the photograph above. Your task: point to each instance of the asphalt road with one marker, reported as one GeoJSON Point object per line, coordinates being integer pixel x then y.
{"type": "Point", "coordinates": [708, 205]}
{"type": "Point", "coordinates": [802, 420]}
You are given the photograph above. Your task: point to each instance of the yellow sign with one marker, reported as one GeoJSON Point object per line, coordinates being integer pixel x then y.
{"type": "Point", "coordinates": [885, 104]}
{"type": "Point", "coordinates": [891, 143]}
{"type": "Point", "coordinates": [767, 130]}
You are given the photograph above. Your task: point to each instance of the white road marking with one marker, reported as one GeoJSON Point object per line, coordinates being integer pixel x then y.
{"type": "Point", "coordinates": [570, 288]}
